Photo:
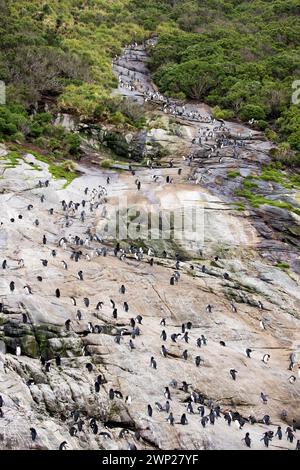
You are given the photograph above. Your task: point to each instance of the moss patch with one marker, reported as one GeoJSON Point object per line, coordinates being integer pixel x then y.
{"type": "Point", "coordinates": [257, 200]}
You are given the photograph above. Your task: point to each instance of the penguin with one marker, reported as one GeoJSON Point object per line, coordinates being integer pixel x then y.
{"type": "Point", "coordinates": [163, 351]}
{"type": "Point", "coordinates": [266, 420]}
{"type": "Point", "coordinates": [167, 393]}
{"type": "Point", "coordinates": [111, 394]}
{"type": "Point", "coordinates": [262, 324]}
{"type": "Point", "coordinates": [47, 366]}
{"type": "Point", "coordinates": [128, 399]}
{"type": "Point", "coordinates": [63, 446]}
{"type": "Point", "coordinates": [189, 408]}
{"type": "Point", "coordinates": [97, 387]}
{"type": "Point", "coordinates": [233, 373]}
{"type": "Point", "coordinates": [78, 315]}
{"type": "Point", "coordinates": [4, 264]}
{"type": "Point", "coordinates": [201, 410]}
{"type": "Point", "coordinates": [163, 335]}
{"type": "Point", "coordinates": [122, 289]}
{"type": "Point", "coordinates": [171, 419]}
{"type": "Point", "coordinates": [266, 439]}
{"type": "Point", "coordinates": [53, 253]}
{"type": "Point", "coordinates": [18, 350]}
{"type": "Point", "coordinates": [279, 433]}
{"type": "Point", "coordinates": [174, 336]}
{"type": "Point", "coordinates": [209, 308]}
{"type": "Point", "coordinates": [43, 360]}
{"type": "Point", "coordinates": [248, 352]}
{"type": "Point", "coordinates": [73, 301]}
{"type": "Point", "coordinates": [139, 319]}
{"type": "Point", "coordinates": [12, 286]}
{"type": "Point", "coordinates": [58, 360]}
{"type": "Point", "coordinates": [162, 322]}
{"type": "Point", "coordinates": [99, 305]}
{"type": "Point", "coordinates": [44, 262]}
{"type": "Point", "coordinates": [115, 313]}
{"type": "Point", "coordinates": [158, 406]}
{"type": "Point", "coordinates": [73, 431]}
{"type": "Point", "coordinates": [131, 345]}
{"type": "Point", "coordinates": [185, 354]}
{"type": "Point", "coordinates": [199, 342]}
{"type": "Point", "coordinates": [266, 358]}
{"type": "Point", "coordinates": [44, 240]}
{"type": "Point", "coordinates": [183, 419]}
{"type": "Point", "coordinates": [233, 307]}
{"type": "Point", "coordinates": [132, 447]}
{"type": "Point", "coordinates": [186, 337]}
{"type": "Point", "coordinates": [57, 293]}
{"type": "Point", "coordinates": [222, 343]}
{"type": "Point", "coordinates": [89, 367]}
{"type": "Point", "coordinates": [204, 421]}
{"type": "Point", "coordinates": [212, 417]}
{"type": "Point", "coordinates": [33, 434]}
{"type": "Point", "coordinates": [264, 398]}
{"type": "Point", "coordinates": [39, 278]}
{"type": "Point", "coordinates": [247, 439]}
{"type": "Point", "coordinates": [65, 265]}
{"type": "Point", "coordinates": [204, 340]}
{"type": "Point", "coordinates": [80, 275]}
{"type": "Point", "coordinates": [150, 411]}
{"type": "Point", "coordinates": [28, 289]}
{"type": "Point", "coordinates": [292, 379]}
{"type": "Point", "coordinates": [67, 324]}
{"type": "Point", "coordinates": [86, 301]}
{"type": "Point", "coordinates": [153, 363]}
{"type": "Point", "coordinates": [198, 361]}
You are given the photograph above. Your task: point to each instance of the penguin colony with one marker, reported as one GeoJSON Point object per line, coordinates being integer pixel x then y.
{"type": "Point", "coordinates": [74, 248]}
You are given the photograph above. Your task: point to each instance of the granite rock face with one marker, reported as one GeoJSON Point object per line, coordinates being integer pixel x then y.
{"type": "Point", "coordinates": [47, 400]}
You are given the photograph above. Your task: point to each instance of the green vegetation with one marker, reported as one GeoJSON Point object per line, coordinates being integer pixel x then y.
{"type": "Point", "coordinates": [282, 265]}
{"type": "Point", "coordinates": [63, 170]}
{"type": "Point", "coordinates": [276, 175]}
{"type": "Point", "coordinates": [256, 200]}
{"type": "Point", "coordinates": [233, 174]}
{"type": "Point", "coordinates": [106, 164]}
{"type": "Point", "coordinates": [249, 184]}
{"type": "Point", "coordinates": [239, 206]}
{"type": "Point", "coordinates": [240, 57]}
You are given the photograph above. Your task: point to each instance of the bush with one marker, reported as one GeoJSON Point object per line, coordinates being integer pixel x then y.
{"type": "Point", "coordinates": [251, 111]}
{"type": "Point", "coordinates": [261, 125]}
{"type": "Point", "coordinates": [106, 164]}
{"type": "Point", "coordinates": [219, 113]}
{"type": "Point", "coordinates": [271, 135]}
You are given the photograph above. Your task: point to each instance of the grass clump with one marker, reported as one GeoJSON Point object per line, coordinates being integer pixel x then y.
{"type": "Point", "coordinates": [233, 174]}
{"type": "Point", "coordinates": [282, 265]}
